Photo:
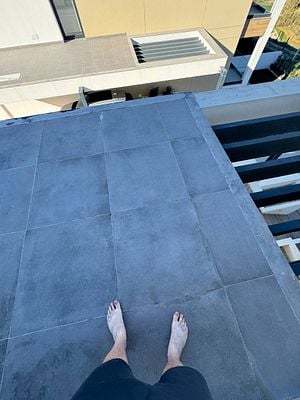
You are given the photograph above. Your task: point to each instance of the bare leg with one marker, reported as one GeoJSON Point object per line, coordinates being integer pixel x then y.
{"type": "Point", "coordinates": [178, 338]}
{"type": "Point", "coordinates": [117, 328]}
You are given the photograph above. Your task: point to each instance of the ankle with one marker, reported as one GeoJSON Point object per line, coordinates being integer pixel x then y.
{"type": "Point", "coordinates": [120, 343]}
{"type": "Point", "coordinates": [172, 360]}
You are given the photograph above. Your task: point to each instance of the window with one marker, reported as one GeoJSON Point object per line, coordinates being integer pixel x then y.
{"type": "Point", "coordinates": [67, 17]}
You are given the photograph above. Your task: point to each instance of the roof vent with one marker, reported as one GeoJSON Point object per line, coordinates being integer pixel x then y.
{"type": "Point", "coordinates": [169, 46]}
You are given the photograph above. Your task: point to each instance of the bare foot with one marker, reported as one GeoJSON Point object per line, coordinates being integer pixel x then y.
{"type": "Point", "coordinates": [179, 334]}
{"type": "Point", "coordinates": [115, 323]}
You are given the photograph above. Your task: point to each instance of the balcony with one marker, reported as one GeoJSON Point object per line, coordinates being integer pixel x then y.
{"type": "Point", "coordinates": [257, 21]}
{"type": "Point", "coordinates": [140, 201]}
{"type": "Point", "coordinates": [107, 62]}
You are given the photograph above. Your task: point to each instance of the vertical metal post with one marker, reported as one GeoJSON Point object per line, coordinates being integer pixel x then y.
{"type": "Point", "coordinates": [262, 41]}
{"type": "Point", "coordinates": [222, 77]}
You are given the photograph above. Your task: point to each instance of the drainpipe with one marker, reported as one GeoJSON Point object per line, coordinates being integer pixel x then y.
{"type": "Point", "coordinates": [262, 41]}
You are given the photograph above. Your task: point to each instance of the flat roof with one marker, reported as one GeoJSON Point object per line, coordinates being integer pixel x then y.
{"type": "Point", "coordinates": [137, 201]}
{"type": "Point", "coordinates": [53, 61]}
{"type": "Point", "coordinates": [105, 62]}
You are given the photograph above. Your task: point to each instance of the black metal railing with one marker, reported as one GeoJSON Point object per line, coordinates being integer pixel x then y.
{"type": "Point", "coordinates": [267, 139]}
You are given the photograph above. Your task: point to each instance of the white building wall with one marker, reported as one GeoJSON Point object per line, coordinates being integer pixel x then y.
{"type": "Point", "coordinates": [27, 22]}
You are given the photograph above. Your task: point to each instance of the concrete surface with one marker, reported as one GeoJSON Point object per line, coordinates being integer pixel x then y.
{"type": "Point", "coordinates": [137, 201]}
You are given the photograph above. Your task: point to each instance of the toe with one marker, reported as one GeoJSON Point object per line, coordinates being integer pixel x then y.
{"type": "Point", "coordinates": [181, 318]}
{"type": "Point", "coordinates": [176, 316]}
{"type": "Point", "coordinates": [116, 304]}
{"type": "Point", "coordinates": [110, 309]}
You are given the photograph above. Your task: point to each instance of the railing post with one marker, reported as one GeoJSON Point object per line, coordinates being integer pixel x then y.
{"type": "Point", "coordinates": [262, 41]}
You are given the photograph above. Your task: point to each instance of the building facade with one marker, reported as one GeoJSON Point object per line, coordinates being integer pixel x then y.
{"type": "Point", "coordinates": [133, 48]}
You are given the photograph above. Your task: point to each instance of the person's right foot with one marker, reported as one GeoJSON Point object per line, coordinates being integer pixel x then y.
{"type": "Point", "coordinates": [178, 338]}
{"type": "Point", "coordinates": [116, 324]}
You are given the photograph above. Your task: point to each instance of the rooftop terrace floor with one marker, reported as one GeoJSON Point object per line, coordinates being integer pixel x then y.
{"type": "Point", "coordinates": [137, 201]}
{"type": "Point", "coordinates": [53, 61]}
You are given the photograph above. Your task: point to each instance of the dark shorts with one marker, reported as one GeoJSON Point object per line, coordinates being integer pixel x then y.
{"type": "Point", "coordinates": [114, 380]}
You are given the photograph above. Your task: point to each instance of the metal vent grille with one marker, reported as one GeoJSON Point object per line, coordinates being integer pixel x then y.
{"type": "Point", "coordinates": [169, 49]}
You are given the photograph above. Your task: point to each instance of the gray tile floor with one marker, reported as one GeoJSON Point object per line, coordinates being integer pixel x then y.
{"type": "Point", "coordinates": [52, 61]}
{"type": "Point", "coordinates": [128, 201]}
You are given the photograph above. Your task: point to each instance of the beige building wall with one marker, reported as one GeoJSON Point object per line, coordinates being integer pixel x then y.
{"type": "Point", "coordinates": [224, 20]}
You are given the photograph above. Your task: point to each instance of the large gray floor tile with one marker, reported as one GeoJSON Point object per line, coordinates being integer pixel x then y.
{"type": "Point", "coordinates": [132, 127]}
{"type": "Point", "coordinates": [199, 168]}
{"type": "Point", "coordinates": [160, 254]}
{"type": "Point", "coordinates": [51, 365]}
{"type": "Point", "coordinates": [143, 176]}
{"type": "Point", "coordinates": [19, 146]}
{"type": "Point", "coordinates": [214, 345]}
{"type": "Point", "coordinates": [15, 193]}
{"type": "Point", "coordinates": [69, 189]}
{"type": "Point", "coordinates": [67, 274]}
{"type": "Point", "coordinates": [10, 253]}
{"type": "Point", "coordinates": [178, 120]}
{"type": "Point", "coordinates": [235, 250]}
{"type": "Point", "coordinates": [271, 333]}
{"type": "Point", "coordinates": [71, 137]}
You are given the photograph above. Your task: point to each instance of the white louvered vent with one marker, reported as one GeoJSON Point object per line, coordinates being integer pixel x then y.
{"type": "Point", "coordinates": [169, 46]}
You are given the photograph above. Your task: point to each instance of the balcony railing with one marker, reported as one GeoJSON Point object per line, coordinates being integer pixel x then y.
{"type": "Point", "coordinates": [256, 148]}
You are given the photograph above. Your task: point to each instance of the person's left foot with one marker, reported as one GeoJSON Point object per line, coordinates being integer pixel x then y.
{"type": "Point", "coordinates": [116, 324]}
{"type": "Point", "coordinates": [179, 335]}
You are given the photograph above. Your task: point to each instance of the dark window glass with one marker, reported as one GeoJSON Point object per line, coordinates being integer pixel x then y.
{"type": "Point", "coordinates": [67, 17]}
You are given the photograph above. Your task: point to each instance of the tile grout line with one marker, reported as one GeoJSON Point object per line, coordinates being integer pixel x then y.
{"type": "Point", "coordinates": [69, 221]}
{"type": "Point", "coordinates": [248, 280]}
{"type": "Point", "coordinates": [16, 168]}
{"type": "Point", "coordinates": [163, 123]}
{"type": "Point", "coordinates": [188, 197]}
{"type": "Point", "coordinates": [251, 364]}
{"type": "Point", "coordinates": [108, 192]}
{"type": "Point", "coordinates": [89, 110]}
{"type": "Point", "coordinates": [206, 242]}
{"type": "Point", "coordinates": [192, 102]}
{"type": "Point", "coordinates": [193, 109]}
{"type": "Point", "coordinates": [85, 156]}
{"type": "Point", "coordinates": [264, 253]}
{"type": "Point", "coordinates": [21, 256]}
{"type": "Point", "coordinates": [263, 250]}
{"type": "Point", "coordinates": [173, 152]}
{"type": "Point", "coordinates": [190, 297]}
{"type": "Point", "coordinates": [51, 328]}
{"type": "Point", "coordinates": [207, 247]}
